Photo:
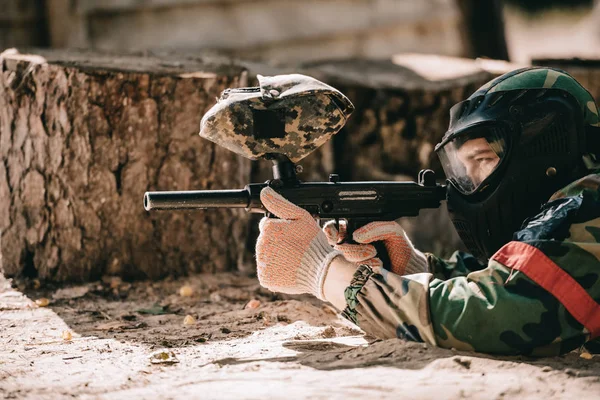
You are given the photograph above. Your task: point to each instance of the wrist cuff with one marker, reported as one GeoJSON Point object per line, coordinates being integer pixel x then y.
{"type": "Point", "coordinates": [314, 266]}
{"type": "Point", "coordinates": [417, 263]}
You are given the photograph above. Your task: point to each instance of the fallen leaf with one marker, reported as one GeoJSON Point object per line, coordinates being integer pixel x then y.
{"type": "Point", "coordinates": [163, 357]}
{"type": "Point", "coordinates": [71, 293]}
{"type": "Point", "coordinates": [189, 320]}
{"type": "Point", "coordinates": [253, 304]}
{"type": "Point", "coordinates": [43, 302]}
{"type": "Point", "coordinates": [186, 291]}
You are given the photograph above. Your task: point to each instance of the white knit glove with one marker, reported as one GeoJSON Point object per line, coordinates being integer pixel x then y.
{"type": "Point", "coordinates": [292, 253]}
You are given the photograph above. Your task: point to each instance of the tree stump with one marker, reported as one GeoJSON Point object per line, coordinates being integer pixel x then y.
{"type": "Point", "coordinates": [82, 137]}
{"type": "Point", "coordinates": [586, 71]}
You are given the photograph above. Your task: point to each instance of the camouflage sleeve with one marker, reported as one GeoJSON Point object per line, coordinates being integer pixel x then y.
{"type": "Point", "coordinates": [497, 308]}
{"type": "Point", "coordinates": [492, 310]}
{"type": "Point", "coordinates": [459, 264]}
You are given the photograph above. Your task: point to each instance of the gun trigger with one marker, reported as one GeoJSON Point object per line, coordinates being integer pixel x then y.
{"type": "Point", "coordinates": [337, 227]}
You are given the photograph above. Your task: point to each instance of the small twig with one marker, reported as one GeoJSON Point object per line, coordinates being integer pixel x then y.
{"type": "Point", "coordinates": [105, 315]}
{"type": "Point", "coordinates": [72, 358]}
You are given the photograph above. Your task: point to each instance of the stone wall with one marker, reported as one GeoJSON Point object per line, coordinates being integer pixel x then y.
{"type": "Point", "coordinates": [281, 32]}
{"type": "Point", "coordinates": [22, 23]}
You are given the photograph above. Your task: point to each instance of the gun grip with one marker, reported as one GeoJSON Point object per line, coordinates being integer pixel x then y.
{"type": "Point", "coordinates": [382, 253]}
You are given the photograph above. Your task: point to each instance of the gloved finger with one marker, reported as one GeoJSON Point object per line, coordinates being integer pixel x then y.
{"type": "Point", "coordinates": [261, 224]}
{"type": "Point", "coordinates": [279, 206]}
{"type": "Point", "coordinates": [273, 228]}
{"type": "Point", "coordinates": [333, 234]}
{"type": "Point", "coordinates": [357, 252]}
{"type": "Point", "coordinates": [375, 231]}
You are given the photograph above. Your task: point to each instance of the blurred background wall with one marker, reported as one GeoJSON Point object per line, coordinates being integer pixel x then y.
{"type": "Point", "coordinates": [287, 31]}
{"type": "Point", "coordinates": [273, 30]}
{"type": "Point", "coordinates": [23, 23]}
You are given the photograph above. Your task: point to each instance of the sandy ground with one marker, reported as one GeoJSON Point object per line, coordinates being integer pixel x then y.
{"type": "Point", "coordinates": [244, 343]}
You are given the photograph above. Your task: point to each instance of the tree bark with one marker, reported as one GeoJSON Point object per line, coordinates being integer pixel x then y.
{"type": "Point", "coordinates": [586, 71]}
{"type": "Point", "coordinates": [82, 137]}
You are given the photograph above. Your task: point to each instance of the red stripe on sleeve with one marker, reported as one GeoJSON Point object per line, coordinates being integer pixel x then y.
{"type": "Point", "coordinates": [543, 271]}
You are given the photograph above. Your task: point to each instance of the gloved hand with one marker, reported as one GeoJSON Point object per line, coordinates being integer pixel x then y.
{"type": "Point", "coordinates": [405, 259]}
{"type": "Point", "coordinates": [292, 253]}
{"type": "Point", "coordinates": [356, 253]}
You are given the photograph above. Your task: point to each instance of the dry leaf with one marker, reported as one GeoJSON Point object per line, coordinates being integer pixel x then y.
{"type": "Point", "coordinates": [189, 320]}
{"type": "Point", "coordinates": [163, 357]}
{"type": "Point", "coordinates": [253, 304]}
{"type": "Point", "coordinates": [43, 302]}
{"type": "Point", "coordinates": [186, 291]}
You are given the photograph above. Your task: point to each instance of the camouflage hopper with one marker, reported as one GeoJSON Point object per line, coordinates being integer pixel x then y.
{"type": "Point", "coordinates": [286, 114]}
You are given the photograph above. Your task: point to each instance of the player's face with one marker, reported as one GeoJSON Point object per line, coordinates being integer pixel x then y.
{"type": "Point", "coordinates": [478, 159]}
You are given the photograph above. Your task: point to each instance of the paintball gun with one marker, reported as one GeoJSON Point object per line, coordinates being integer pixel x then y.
{"type": "Point", "coordinates": [283, 120]}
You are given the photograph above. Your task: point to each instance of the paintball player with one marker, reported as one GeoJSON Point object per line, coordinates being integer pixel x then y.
{"type": "Point", "coordinates": [521, 156]}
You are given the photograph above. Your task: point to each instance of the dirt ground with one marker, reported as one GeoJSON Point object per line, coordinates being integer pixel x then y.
{"type": "Point", "coordinates": [117, 340]}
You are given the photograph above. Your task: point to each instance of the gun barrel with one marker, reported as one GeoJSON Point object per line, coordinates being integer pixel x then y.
{"type": "Point", "coordinates": [196, 199]}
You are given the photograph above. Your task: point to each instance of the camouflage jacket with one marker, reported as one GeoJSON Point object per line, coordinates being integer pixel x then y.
{"type": "Point", "coordinates": [538, 295]}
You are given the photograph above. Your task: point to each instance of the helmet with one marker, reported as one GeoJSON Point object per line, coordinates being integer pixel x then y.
{"type": "Point", "coordinates": [286, 114]}
{"type": "Point", "coordinates": [510, 146]}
